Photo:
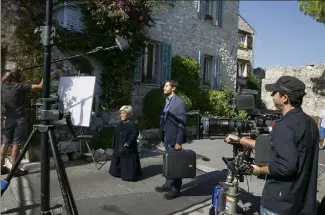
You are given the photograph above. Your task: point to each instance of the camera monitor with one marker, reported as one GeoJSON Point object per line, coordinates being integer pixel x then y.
{"type": "Point", "coordinates": [77, 94]}
{"type": "Point", "coordinates": [245, 102]}
{"type": "Point", "coordinates": [263, 150]}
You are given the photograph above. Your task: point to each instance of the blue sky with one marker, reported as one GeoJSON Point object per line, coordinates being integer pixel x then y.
{"type": "Point", "coordinates": [284, 35]}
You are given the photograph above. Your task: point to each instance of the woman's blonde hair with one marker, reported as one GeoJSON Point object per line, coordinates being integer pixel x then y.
{"type": "Point", "coordinates": [127, 109]}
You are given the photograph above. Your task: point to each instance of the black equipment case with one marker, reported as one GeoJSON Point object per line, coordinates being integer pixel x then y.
{"type": "Point", "coordinates": [179, 164]}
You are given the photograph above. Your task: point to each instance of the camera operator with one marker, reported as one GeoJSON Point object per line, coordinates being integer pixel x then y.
{"type": "Point", "coordinates": [291, 175]}
{"type": "Point", "coordinates": [15, 120]}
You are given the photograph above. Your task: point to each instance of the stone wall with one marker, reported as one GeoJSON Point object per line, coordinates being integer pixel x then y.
{"type": "Point", "coordinates": [244, 26]}
{"type": "Point", "coordinates": [242, 53]}
{"type": "Point", "coordinates": [246, 54]}
{"type": "Point", "coordinates": [10, 48]}
{"type": "Point", "coordinates": [314, 78]}
{"type": "Point", "coordinates": [188, 35]}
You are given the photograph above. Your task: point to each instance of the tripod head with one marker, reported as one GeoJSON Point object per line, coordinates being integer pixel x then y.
{"type": "Point", "coordinates": [56, 111]}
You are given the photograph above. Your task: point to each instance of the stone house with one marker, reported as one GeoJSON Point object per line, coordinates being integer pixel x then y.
{"type": "Point", "coordinates": [245, 52]}
{"type": "Point", "coordinates": [206, 31]}
{"type": "Point", "coordinates": [203, 30]}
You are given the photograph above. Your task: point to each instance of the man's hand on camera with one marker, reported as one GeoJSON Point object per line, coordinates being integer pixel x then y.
{"type": "Point", "coordinates": [178, 146]}
{"type": "Point", "coordinates": [231, 138]}
{"type": "Point", "coordinates": [257, 170]}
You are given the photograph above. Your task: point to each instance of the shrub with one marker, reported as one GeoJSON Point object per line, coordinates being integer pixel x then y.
{"type": "Point", "coordinates": [187, 101]}
{"type": "Point", "coordinates": [153, 104]}
{"type": "Point", "coordinates": [104, 139]}
{"type": "Point", "coordinates": [220, 104]}
{"type": "Point", "coordinates": [186, 67]}
{"type": "Point", "coordinates": [253, 82]}
{"type": "Point", "coordinates": [144, 122]}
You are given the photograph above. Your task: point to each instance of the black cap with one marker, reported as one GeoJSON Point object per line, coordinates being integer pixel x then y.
{"type": "Point", "coordinates": [288, 85]}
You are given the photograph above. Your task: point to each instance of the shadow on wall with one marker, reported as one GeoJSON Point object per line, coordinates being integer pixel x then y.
{"type": "Point", "coordinates": [319, 84]}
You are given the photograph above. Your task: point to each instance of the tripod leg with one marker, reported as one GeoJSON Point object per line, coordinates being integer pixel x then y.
{"type": "Point", "coordinates": [6, 181]}
{"type": "Point", "coordinates": [62, 175]}
{"type": "Point", "coordinates": [91, 154]}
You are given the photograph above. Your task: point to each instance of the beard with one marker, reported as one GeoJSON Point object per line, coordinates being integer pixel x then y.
{"type": "Point", "coordinates": [278, 106]}
{"type": "Point", "coordinates": [167, 93]}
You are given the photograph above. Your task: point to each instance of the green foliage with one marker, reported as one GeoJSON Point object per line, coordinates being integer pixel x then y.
{"type": "Point", "coordinates": [189, 68]}
{"type": "Point", "coordinates": [144, 123]}
{"type": "Point", "coordinates": [253, 82]}
{"type": "Point", "coordinates": [104, 20]}
{"type": "Point", "coordinates": [187, 101]}
{"type": "Point", "coordinates": [315, 9]}
{"type": "Point", "coordinates": [153, 104]}
{"type": "Point", "coordinates": [29, 49]}
{"type": "Point", "coordinates": [186, 72]}
{"type": "Point", "coordinates": [105, 138]}
{"type": "Point", "coordinates": [220, 102]}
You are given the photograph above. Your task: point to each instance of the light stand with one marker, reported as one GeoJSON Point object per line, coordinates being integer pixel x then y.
{"type": "Point", "coordinates": [49, 109]}
{"type": "Point", "coordinates": [47, 41]}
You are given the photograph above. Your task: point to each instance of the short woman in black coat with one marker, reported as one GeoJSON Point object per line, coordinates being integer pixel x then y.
{"type": "Point", "coordinates": [125, 161]}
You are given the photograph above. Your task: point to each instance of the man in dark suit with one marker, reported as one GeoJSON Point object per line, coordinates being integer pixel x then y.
{"type": "Point", "coordinates": [172, 125]}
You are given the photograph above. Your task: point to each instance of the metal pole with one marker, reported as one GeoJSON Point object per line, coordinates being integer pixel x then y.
{"type": "Point", "coordinates": [45, 158]}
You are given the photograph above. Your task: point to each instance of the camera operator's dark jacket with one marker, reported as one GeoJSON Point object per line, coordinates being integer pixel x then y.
{"type": "Point", "coordinates": [291, 187]}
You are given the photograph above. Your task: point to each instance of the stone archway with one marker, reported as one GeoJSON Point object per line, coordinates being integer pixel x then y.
{"type": "Point", "coordinates": [82, 65]}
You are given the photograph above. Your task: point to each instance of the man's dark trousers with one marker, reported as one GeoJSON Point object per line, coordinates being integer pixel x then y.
{"type": "Point", "coordinates": [174, 184]}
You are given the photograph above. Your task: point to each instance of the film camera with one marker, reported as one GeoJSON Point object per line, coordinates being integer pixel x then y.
{"type": "Point", "coordinates": [256, 126]}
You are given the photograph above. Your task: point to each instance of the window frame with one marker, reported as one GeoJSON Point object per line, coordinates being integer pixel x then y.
{"type": "Point", "coordinates": [155, 65]}
{"type": "Point", "coordinates": [207, 75]}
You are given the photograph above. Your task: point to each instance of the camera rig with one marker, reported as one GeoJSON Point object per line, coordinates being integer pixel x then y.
{"type": "Point", "coordinates": [255, 126]}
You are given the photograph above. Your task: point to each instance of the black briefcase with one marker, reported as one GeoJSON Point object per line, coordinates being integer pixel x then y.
{"type": "Point", "coordinates": [179, 164]}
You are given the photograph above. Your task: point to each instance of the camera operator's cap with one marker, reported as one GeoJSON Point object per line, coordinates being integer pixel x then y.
{"type": "Point", "coordinates": [289, 85]}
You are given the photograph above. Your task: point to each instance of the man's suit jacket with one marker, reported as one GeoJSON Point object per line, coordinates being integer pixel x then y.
{"type": "Point", "coordinates": [174, 124]}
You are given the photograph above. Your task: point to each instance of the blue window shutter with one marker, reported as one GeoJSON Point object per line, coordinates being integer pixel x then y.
{"type": "Point", "coordinates": [201, 63]}
{"type": "Point", "coordinates": [219, 13]}
{"type": "Point", "coordinates": [201, 9]}
{"type": "Point", "coordinates": [171, 2]}
{"type": "Point", "coordinates": [166, 62]}
{"type": "Point", "coordinates": [138, 71]}
{"type": "Point", "coordinates": [218, 70]}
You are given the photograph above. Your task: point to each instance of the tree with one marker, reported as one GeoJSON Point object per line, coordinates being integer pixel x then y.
{"type": "Point", "coordinates": [313, 8]}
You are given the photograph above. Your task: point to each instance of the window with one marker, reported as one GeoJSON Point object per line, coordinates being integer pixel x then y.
{"type": "Point", "coordinates": [151, 64]}
{"type": "Point", "coordinates": [154, 65]}
{"type": "Point", "coordinates": [243, 69]}
{"type": "Point", "coordinates": [211, 11]}
{"type": "Point", "coordinates": [211, 69]}
{"type": "Point", "coordinates": [207, 69]}
{"type": "Point", "coordinates": [69, 16]}
{"type": "Point", "coordinates": [245, 40]}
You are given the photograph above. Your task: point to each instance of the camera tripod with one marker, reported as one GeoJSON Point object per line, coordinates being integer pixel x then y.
{"type": "Point", "coordinates": [224, 199]}
{"type": "Point", "coordinates": [62, 175]}
{"type": "Point", "coordinates": [47, 115]}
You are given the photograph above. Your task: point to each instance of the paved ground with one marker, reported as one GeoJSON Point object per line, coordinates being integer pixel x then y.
{"type": "Point", "coordinates": [96, 192]}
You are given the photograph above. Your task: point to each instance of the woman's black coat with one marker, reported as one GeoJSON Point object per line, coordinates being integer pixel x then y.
{"type": "Point", "coordinates": [125, 162]}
